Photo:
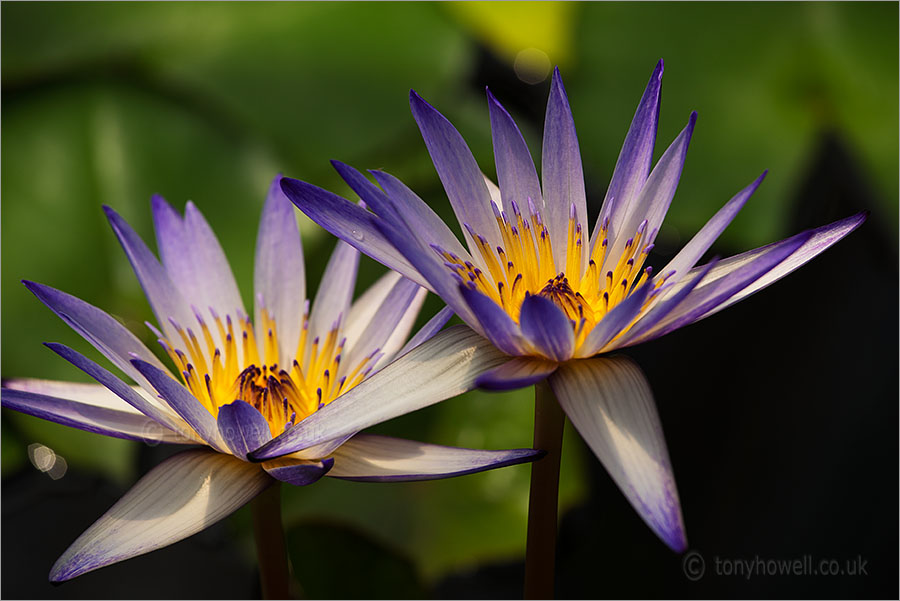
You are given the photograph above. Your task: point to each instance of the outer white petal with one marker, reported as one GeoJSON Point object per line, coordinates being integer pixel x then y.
{"type": "Point", "coordinates": [443, 367]}
{"type": "Point", "coordinates": [89, 394]}
{"type": "Point", "coordinates": [375, 458]}
{"type": "Point", "coordinates": [180, 497]}
{"type": "Point", "coordinates": [610, 404]}
{"type": "Point", "coordinates": [91, 418]}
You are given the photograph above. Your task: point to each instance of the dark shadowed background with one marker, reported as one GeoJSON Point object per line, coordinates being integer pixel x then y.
{"type": "Point", "coordinates": [780, 413]}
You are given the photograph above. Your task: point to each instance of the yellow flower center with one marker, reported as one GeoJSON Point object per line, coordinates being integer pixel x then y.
{"type": "Point", "coordinates": [524, 265]}
{"type": "Point", "coordinates": [284, 395]}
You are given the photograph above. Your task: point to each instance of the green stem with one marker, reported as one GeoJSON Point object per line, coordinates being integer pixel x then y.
{"type": "Point", "coordinates": [274, 574]}
{"type": "Point", "coordinates": [540, 550]}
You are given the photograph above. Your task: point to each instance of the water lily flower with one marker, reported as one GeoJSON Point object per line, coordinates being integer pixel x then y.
{"type": "Point", "coordinates": [240, 382]}
{"type": "Point", "coordinates": [552, 294]}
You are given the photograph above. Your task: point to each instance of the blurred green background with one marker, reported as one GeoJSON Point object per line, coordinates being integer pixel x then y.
{"type": "Point", "coordinates": [108, 103]}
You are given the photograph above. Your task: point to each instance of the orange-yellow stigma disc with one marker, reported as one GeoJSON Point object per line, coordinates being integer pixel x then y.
{"type": "Point", "coordinates": [524, 265]}
{"type": "Point", "coordinates": [284, 395]}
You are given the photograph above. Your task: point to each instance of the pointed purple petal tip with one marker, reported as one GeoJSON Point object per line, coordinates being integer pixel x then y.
{"type": "Point", "coordinates": [415, 98]}
{"type": "Point", "coordinates": [157, 201]}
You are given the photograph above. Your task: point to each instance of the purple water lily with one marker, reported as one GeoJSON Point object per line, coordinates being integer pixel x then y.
{"type": "Point", "coordinates": [533, 280]}
{"type": "Point", "coordinates": [240, 383]}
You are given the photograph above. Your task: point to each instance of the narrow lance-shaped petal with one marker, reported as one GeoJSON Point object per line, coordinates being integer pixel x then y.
{"type": "Point", "coordinates": [655, 197]}
{"type": "Point", "coordinates": [426, 261]}
{"type": "Point", "coordinates": [421, 219]}
{"type": "Point", "coordinates": [635, 159]}
{"type": "Point", "coordinates": [819, 240]}
{"type": "Point", "coordinates": [106, 334]}
{"type": "Point", "coordinates": [279, 279]}
{"type": "Point", "coordinates": [391, 312]}
{"type": "Point", "coordinates": [517, 373]}
{"type": "Point", "coordinates": [349, 222]}
{"type": "Point", "coordinates": [90, 394]}
{"type": "Point", "coordinates": [372, 458]}
{"type": "Point", "coordinates": [713, 291]}
{"type": "Point", "coordinates": [688, 256]}
{"type": "Point", "coordinates": [458, 171]}
{"type": "Point", "coordinates": [215, 280]}
{"type": "Point", "coordinates": [90, 418]}
{"type": "Point", "coordinates": [180, 497]}
{"type": "Point", "coordinates": [515, 169]}
{"type": "Point", "coordinates": [165, 298]}
{"type": "Point", "coordinates": [184, 404]}
{"type": "Point", "coordinates": [610, 404]}
{"type": "Point", "coordinates": [126, 395]}
{"type": "Point", "coordinates": [563, 179]}
{"type": "Point", "coordinates": [335, 291]}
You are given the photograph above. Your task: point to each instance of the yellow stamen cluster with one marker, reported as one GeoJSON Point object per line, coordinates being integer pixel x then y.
{"type": "Point", "coordinates": [284, 395]}
{"type": "Point", "coordinates": [524, 265]}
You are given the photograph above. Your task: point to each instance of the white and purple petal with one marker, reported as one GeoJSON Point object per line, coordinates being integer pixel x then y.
{"type": "Point", "coordinates": [350, 222]}
{"type": "Point", "coordinates": [298, 472]}
{"type": "Point", "coordinates": [106, 334]}
{"type": "Point", "coordinates": [547, 328]}
{"type": "Point", "coordinates": [242, 427]}
{"type": "Point", "coordinates": [372, 458]}
{"type": "Point", "coordinates": [184, 404]}
{"type": "Point", "coordinates": [445, 366]}
{"type": "Point", "coordinates": [819, 240]}
{"type": "Point", "coordinates": [635, 159]}
{"type": "Point", "coordinates": [654, 199]}
{"type": "Point", "coordinates": [458, 171]}
{"type": "Point", "coordinates": [279, 279]}
{"type": "Point", "coordinates": [393, 318]}
{"type": "Point", "coordinates": [516, 373]}
{"type": "Point", "coordinates": [214, 286]}
{"type": "Point", "coordinates": [90, 418]}
{"type": "Point", "coordinates": [515, 168]}
{"type": "Point", "coordinates": [663, 308]}
{"type": "Point", "coordinates": [440, 280]}
{"type": "Point", "coordinates": [164, 296]}
{"type": "Point", "coordinates": [89, 394]}
{"type": "Point", "coordinates": [692, 252]}
{"type": "Point", "coordinates": [135, 399]}
{"type": "Point", "coordinates": [421, 219]}
{"type": "Point", "coordinates": [619, 318]}
{"type": "Point", "coordinates": [185, 494]}
{"type": "Point", "coordinates": [494, 322]}
{"type": "Point", "coordinates": [561, 171]}
{"type": "Point", "coordinates": [716, 289]}
{"type": "Point", "coordinates": [335, 292]}
{"type": "Point", "coordinates": [611, 405]}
